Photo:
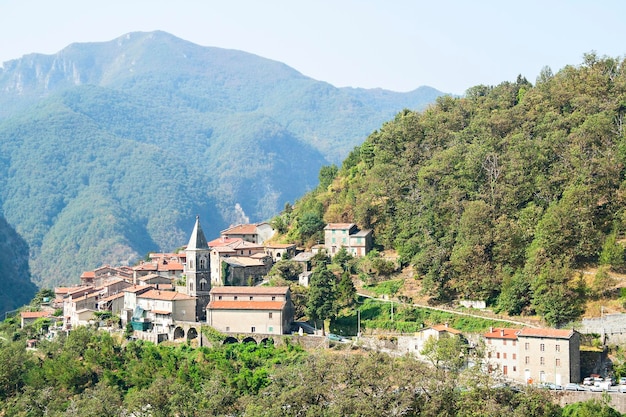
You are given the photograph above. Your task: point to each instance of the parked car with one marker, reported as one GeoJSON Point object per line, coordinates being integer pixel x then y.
{"type": "Point", "coordinates": [622, 380]}
{"type": "Point", "coordinates": [551, 386]}
{"type": "Point", "coordinates": [574, 387]}
{"type": "Point", "coordinates": [588, 381]}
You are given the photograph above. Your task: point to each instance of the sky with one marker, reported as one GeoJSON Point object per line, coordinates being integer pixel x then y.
{"type": "Point", "coordinates": [397, 45]}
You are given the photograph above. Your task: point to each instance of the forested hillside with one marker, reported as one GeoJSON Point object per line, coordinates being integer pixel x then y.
{"type": "Point", "coordinates": [16, 287]}
{"type": "Point", "coordinates": [109, 150]}
{"type": "Point", "coordinates": [502, 195]}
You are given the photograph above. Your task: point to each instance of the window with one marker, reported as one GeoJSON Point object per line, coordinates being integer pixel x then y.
{"type": "Point", "coordinates": [498, 355]}
{"type": "Point", "coordinates": [527, 360]}
{"type": "Point", "coordinates": [514, 343]}
{"type": "Point", "coordinates": [504, 342]}
{"type": "Point", "coordinates": [542, 347]}
{"type": "Point", "coordinates": [273, 298]}
{"type": "Point", "coordinates": [489, 355]}
{"type": "Point", "coordinates": [558, 362]}
{"type": "Point", "coordinates": [253, 329]}
{"type": "Point", "coordinates": [219, 297]}
{"type": "Point", "coordinates": [270, 315]}
{"type": "Point", "coordinates": [191, 264]}
{"type": "Point", "coordinates": [227, 329]}
{"type": "Point", "coordinates": [235, 298]}
{"type": "Point", "coordinates": [504, 355]}
{"type": "Point", "coordinates": [488, 341]}
{"type": "Point", "coordinates": [514, 368]}
{"type": "Point", "coordinates": [514, 356]}
{"type": "Point", "coordinates": [526, 346]}
{"type": "Point", "coordinates": [557, 348]}
{"type": "Point", "coordinates": [542, 360]}
{"type": "Point", "coordinates": [251, 297]}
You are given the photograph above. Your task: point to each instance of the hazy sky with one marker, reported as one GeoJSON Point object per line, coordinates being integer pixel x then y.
{"type": "Point", "coordinates": [397, 45]}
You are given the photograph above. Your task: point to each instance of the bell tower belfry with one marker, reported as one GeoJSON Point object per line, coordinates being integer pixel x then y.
{"type": "Point", "coordinates": [198, 270]}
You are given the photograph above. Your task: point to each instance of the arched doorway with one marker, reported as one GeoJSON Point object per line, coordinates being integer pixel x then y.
{"type": "Point", "coordinates": [179, 333]}
{"type": "Point", "coordinates": [192, 333]}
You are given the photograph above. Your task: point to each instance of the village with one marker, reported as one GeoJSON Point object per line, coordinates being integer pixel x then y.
{"type": "Point", "coordinates": [218, 283]}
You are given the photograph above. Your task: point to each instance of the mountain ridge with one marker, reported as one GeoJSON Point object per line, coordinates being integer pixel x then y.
{"type": "Point", "coordinates": [164, 129]}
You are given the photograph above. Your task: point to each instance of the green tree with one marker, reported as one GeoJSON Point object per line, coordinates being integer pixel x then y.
{"type": "Point", "coordinates": [321, 304]}
{"type": "Point", "coordinates": [590, 408]}
{"type": "Point", "coordinates": [447, 352]}
{"type": "Point", "coordinates": [557, 296]}
{"type": "Point", "coordinates": [346, 292]}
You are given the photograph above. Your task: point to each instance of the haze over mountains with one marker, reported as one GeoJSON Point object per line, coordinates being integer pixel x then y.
{"type": "Point", "coordinates": [109, 150]}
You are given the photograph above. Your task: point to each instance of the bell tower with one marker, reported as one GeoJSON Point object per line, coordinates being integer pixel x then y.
{"type": "Point", "coordinates": [198, 270]}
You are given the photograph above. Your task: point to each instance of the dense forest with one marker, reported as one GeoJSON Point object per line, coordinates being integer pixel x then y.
{"type": "Point", "coordinates": [92, 373]}
{"type": "Point", "coordinates": [109, 150]}
{"type": "Point", "coordinates": [502, 195]}
{"type": "Point", "coordinates": [17, 289]}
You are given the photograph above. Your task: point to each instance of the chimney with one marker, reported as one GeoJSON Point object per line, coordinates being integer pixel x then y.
{"type": "Point", "coordinates": [491, 329]}
{"type": "Point", "coordinates": [446, 324]}
{"type": "Point", "coordinates": [502, 332]}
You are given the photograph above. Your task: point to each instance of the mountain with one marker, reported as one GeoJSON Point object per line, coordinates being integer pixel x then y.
{"type": "Point", "coordinates": [109, 150]}
{"type": "Point", "coordinates": [504, 195]}
{"type": "Point", "coordinates": [16, 287]}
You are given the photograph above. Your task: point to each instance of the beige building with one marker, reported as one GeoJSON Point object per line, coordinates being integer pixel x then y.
{"type": "Point", "coordinates": [266, 310]}
{"type": "Point", "coordinates": [163, 308]}
{"type": "Point", "coordinates": [502, 350]}
{"type": "Point", "coordinates": [254, 233]}
{"type": "Point", "coordinates": [549, 355]}
{"type": "Point", "coordinates": [337, 235]}
{"type": "Point", "coordinates": [277, 250]}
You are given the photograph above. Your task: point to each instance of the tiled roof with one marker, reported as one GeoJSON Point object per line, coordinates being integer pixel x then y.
{"type": "Point", "coordinates": [138, 288]}
{"type": "Point", "coordinates": [502, 333]}
{"type": "Point", "coordinates": [241, 229]}
{"type": "Point", "coordinates": [246, 305]}
{"type": "Point", "coordinates": [243, 261]}
{"type": "Point", "coordinates": [165, 295]}
{"type": "Point", "coordinates": [223, 241]}
{"type": "Point", "coordinates": [250, 290]}
{"type": "Point", "coordinates": [550, 333]}
{"type": "Point", "coordinates": [279, 245]}
{"type": "Point", "coordinates": [35, 314]}
{"type": "Point", "coordinates": [113, 297]}
{"type": "Point", "coordinates": [444, 328]}
{"type": "Point", "coordinates": [338, 226]}
{"type": "Point", "coordinates": [170, 266]}
{"type": "Point", "coordinates": [88, 274]}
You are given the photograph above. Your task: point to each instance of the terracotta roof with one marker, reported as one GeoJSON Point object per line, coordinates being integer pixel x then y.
{"type": "Point", "coordinates": [63, 290]}
{"type": "Point", "coordinates": [241, 229]}
{"type": "Point", "coordinates": [223, 241]}
{"type": "Point", "coordinates": [146, 266]}
{"type": "Point", "coordinates": [502, 333]}
{"type": "Point", "coordinates": [35, 314]}
{"type": "Point", "coordinates": [165, 295]}
{"type": "Point", "coordinates": [243, 261]}
{"type": "Point", "coordinates": [246, 305]}
{"type": "Point", "coordinates": [171, 266]}
{"type": "Point", "coordinates": [249, 290]}
{"type": "Point", "coordinates": [113, 297]}
{"type": "Point", "coordinates": [88, 274]}
{"type": "Point", "coordinates": [551, 333]}
{"type": "Point", "coordinates": [444, 328]}
{"type": "Point", "coordinates": [339, 226]}
{"type": "Point", "coordinates": [279, 245]}
{"type": "Point", "coordinates": [138, 288]}
{"type": "Point", "coordinates": [164, 312]}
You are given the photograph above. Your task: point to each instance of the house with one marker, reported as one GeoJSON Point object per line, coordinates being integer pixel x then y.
{"type": "Point", "coordinates": [162, 308]}
{"type": "Point", "coordinates": [502, 350]}
{"type": "Point", "coordinates": [347, 235]}
{"type": "Point", "coordinates": [78, 308]}
{"type": "Point", "coordinates": [29, 317]}
{"type": "Point", "coordinates": [304, 259]}
{"type": "Point", "coordinates": [266, 310]}
{"type": "Point", "coordinates": [244, 270]}
{"type": "Point", "coordinates": [113, 303]}
{"type": "Point", "coordinates": [549, 355]}
{"type": "Point", "coordinates": [227, 271]}
{"type": "Point", "coordinates": [415, 344]}
{"type": "Point", "coordinates": [130, 301]}
{"type": "Point", "coordinates": [253, 233]}
{"type": "Point", "coordinates": [277, 250]}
